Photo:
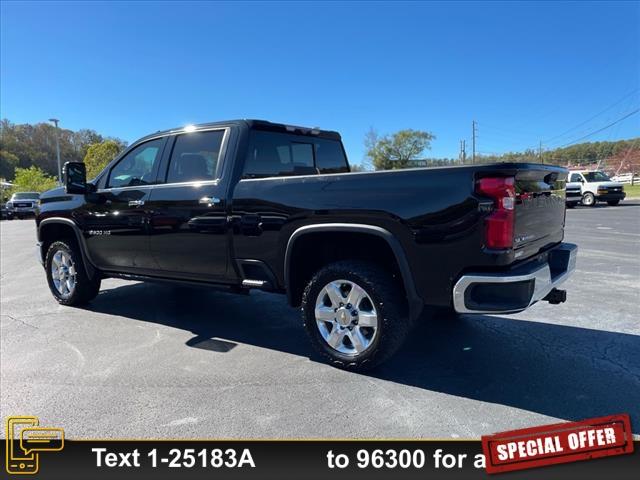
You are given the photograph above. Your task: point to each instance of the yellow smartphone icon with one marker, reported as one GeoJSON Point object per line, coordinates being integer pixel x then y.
{"type": "Point", "coordinates": [17, 461]}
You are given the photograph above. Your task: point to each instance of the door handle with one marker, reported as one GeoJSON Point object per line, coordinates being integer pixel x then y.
{"type": "Point", "coordinates": [136, 203]}
{"type": "Point", "coordinates": [209, 201]}
{"type": "Point", "coordinates": [251, 225]}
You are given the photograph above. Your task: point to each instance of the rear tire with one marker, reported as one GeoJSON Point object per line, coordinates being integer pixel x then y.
{"type": "Point", "coordinates": [67, 277]}
{"type": "Point", "coordinates": [360, 335]}
{"type": "Point", "coordinates": [571, 205]}
{"type": "Point", "coordinates": [589, 199]}
{"type": "Point", "coordinates": [613, 203]}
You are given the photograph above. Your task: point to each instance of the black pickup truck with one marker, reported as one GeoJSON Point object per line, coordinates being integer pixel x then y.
{"type": "Point", "coordinates": [251, 204]}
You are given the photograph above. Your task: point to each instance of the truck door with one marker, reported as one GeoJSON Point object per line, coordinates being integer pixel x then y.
{"type": "Point", "coordinates": [114, 219]}
{"type": "Point", "coordinates": [576, 178]}
{"type": "Point", "coordinates": [188, 208]}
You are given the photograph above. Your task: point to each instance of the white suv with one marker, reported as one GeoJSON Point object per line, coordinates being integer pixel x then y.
{"type": "Point", "coordinates": [596, 186]}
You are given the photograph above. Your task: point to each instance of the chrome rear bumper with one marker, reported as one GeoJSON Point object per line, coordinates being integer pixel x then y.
{"type": "Point", "coordinates": [516, 290]}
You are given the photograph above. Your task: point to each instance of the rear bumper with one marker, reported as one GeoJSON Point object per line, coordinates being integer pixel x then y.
{"type": "Point", "coordinates": [517, 289]}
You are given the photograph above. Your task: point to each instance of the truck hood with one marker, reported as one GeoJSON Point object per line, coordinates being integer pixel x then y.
{"type": "Point", "coordinates": [54, 192]}
{"type": "Point", "coordinates": [605, 184]}
{"type": "Point", "coordinates": [17, 200]}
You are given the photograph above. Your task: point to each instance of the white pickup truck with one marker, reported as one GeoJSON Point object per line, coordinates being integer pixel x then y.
{"type": "Point", "coordinates": [596, 186]}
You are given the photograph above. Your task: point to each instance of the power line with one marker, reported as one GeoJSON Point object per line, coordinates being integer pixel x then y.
{"type": "Point", "coordinates": [601, 129]}
{"type": "Point", "coordinates": [505, 131]}
{"type": "Point", "coordinates": [549, 140]}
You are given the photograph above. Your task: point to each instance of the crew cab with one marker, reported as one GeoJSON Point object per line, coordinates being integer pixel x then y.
{"type": "Point", "coordinates": [596, 186]}
{"type": "Point", "coordinates": [250, 204]}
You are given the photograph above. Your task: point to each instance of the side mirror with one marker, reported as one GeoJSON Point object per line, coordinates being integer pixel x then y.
{"type": "Point", "coordinates": [75, 177]}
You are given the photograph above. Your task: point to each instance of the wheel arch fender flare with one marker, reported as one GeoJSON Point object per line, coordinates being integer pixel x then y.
{"type": "Point", "coordinates": [90, 269]}
{"type": "Point", "coordinates": [415, 303]}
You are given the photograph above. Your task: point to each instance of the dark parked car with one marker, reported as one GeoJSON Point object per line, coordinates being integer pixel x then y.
{"type": "Point", "coordinates": [256, 205]}
{"type": "Point", "coordinates": [22, 204]}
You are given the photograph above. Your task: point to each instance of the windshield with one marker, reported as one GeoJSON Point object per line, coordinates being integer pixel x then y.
{"type": "Point", "coordinates": [596, 177]}
{"type": "Point", "coordinates": [25, 195]}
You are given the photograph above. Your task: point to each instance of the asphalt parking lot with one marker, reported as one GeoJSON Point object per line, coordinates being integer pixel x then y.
{"type": "Point", "coordinates": [152, 361]}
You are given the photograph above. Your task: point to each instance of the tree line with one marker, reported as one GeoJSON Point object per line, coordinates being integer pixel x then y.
{"type": "Point", "coordinates": [581, 154]}
{"type": "Point", "coordinates": [25, 145]}
{"type": "Point", "coordinates": [406, 149]}
{"type": "Point", "coordinates": [28, 155]}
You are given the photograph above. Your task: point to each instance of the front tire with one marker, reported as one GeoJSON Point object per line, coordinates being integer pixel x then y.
{"type": "Point", "coordinates": [589, 199]}
{"type": "Point", "coordinates": [355, 314]}
{"type": "Point", "coordinates": [67, 277]}
{"type": "Point", "coordinates": [613, 203]}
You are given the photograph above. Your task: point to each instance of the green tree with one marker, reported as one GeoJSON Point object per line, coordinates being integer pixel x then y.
{"type": "Point", "coordinates": [36, 144]}
{"type": "Point", "coordinates": [398, 150]}
{"type": "Point", "coordinates": [99, 155]}
{"type": "Point", "coordinates": [8, 164]}
{"type": "Point", "coordinates": [32, 179]}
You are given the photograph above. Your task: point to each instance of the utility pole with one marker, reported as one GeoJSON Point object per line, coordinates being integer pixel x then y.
{"type": "Point", "coordinates": [55, 122]}
{"type": "Point", "coordinates": [463, 151]}
{"type": "Point", "coordinates": [540, 152]}
{"type": "Point", "coordinates": [473, 141]}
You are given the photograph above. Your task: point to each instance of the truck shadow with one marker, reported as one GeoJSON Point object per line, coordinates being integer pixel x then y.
{"type": "Point", "coordinates": [604, 205]}
{"type": "Point", "coordinates": [560, 371]}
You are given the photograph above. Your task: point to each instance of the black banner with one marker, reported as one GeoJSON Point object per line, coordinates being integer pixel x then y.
{"type": "Point", "coordinates": [295, 460]}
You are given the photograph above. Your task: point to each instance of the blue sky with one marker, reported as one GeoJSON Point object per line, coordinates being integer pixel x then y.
{"type": "Point", "coordinates": [525, 72]}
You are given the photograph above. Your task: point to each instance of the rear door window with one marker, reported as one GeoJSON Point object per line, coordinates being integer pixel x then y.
{"type": "Point", "coordinates": [195, 157]}
{"type": "Point", "coordinates": [272, 154]}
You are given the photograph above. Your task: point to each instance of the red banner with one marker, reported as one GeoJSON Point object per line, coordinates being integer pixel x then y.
{"type": "Point", "coordinates": [558, 443]}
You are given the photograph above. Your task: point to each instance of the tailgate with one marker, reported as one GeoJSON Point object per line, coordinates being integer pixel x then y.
{"type": "Point", "coordinates": [539, 208]}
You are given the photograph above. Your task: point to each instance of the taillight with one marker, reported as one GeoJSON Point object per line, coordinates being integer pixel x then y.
{"type": "Point", "coordinates": [499, 224]}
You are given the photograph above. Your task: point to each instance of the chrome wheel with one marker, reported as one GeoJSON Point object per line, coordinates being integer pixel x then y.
{"type": "Point", "coordinates": [63, 273]}
{"type": "Point", "coordinates": [346, 317]}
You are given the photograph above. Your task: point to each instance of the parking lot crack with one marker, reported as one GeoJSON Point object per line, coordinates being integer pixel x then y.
{"type": "Point", "coordinates": [606, 358]}
{"type": "Point", "coordinates": [19, 320]}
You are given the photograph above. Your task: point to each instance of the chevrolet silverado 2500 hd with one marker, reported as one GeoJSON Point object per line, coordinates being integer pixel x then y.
{"type": "Point", "coordinates": [256, 205]}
